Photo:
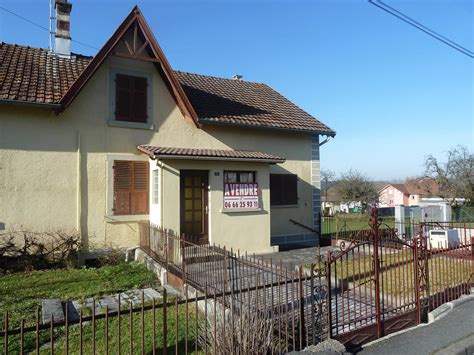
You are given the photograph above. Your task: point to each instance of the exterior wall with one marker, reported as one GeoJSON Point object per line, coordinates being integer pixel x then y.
{"type": "Point", "coordinates": [247, 231]}
{"type": "Point", "coordinates": [390, 197]}
{"type": "Point", "coordinates": [413, 200]}
{"type": "Point", "coordinates": [55, 170]}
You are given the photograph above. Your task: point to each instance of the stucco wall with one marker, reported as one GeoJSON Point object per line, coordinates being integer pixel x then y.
{"type": "Point", "coordinates": [247, 231]}
{"type": "Point", "coordinates": [55, 170]}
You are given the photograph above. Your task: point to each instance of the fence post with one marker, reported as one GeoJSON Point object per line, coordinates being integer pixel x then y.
{"type": "Point", "coordinates": [417, 278]}
{"type": "Point", "coordinates": [149, 236]}
{"type": "Point", "coordinates": [375, 231]}
{"type": "Point", "coordinates": [302, 322]}
{"type": "Point", "coordinates": [225, 271]}
{"type": "Point", "coordinates": [183, 258]}
{"type": "Point", "coordinates": [328, 294]}
{"type": "Point", "coordinates": [472, 255]}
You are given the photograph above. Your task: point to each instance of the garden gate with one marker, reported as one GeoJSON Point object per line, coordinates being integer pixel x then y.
{"type": "Point", "coordinates": [378, 283]}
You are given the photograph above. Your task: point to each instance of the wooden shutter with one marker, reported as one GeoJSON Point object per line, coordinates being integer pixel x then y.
{"type": "Point", "coordinates": [131, 98]}
{"type": "Point", "coordinates": [139, 203]}
{"type": "Point", "coordinates": [290, 189]}
{"type": "Point", "coordinates": [275, 189]}
{"type": "Point", "coordinates": [139, 100]}
{"type": "Point", "coordinates": [123, 88]}
{"type": "Point", "coordinates": [122, 187]}
{"type": "Point", "coordinates": [283, 189]}
{"type": "Point", "coordinates": [131, 187]}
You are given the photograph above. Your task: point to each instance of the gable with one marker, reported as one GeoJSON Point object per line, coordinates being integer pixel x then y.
{"type": "Point", "coordinates": [133, 39]}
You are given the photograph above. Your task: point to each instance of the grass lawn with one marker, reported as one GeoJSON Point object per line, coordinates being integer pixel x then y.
{"type": "Point", "coordinates": [345, 224]}
{"type": "Point", "coordinates": [397, 272]}
{"type": "Point", "coordinates": [21, 293]}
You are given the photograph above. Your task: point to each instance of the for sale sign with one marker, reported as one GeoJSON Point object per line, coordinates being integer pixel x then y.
{"type": "Point", "coordinates": [240, 195]}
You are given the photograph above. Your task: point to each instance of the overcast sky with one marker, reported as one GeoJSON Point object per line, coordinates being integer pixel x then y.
{"type": "Point", "coordinates": [392, 93]}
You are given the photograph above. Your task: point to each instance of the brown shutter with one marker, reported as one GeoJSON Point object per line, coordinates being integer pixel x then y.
{"type": "Point", "coordinates": [131, 98]}
{"type": "Point", "coordinates": [122, 187]}
{"type": "Point", "coordinates": [139, 99]}
{"type": "Point", "coordinates": [139, 203]}
{"type": "Point", "coordinates": [290, 189]}
{"type": "Point", "coordinates": [123, 88]}
{"type": "Point", "coordinates": [283, 189]}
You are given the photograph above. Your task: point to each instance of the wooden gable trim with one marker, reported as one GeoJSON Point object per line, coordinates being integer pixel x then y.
{"type": "Point", "coordinates": [134, 17]}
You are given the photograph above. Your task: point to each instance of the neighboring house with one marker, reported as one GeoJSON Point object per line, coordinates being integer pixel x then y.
{"type": "Point", "coordinates": [98, 144]}
{"type": "Point", "coordinates": [411, 193]}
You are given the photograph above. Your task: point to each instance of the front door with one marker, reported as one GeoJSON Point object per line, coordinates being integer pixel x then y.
{"type": "Point", "coordinates": [194, 205]}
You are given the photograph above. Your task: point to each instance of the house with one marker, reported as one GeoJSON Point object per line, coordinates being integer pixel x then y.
{"type": "Point", "coordinates": [411, 193]}
{"type": "Point", "coordinates": [99, 144]}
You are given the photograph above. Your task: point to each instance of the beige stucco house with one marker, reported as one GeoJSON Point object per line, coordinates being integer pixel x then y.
{"type": "Point", "coordinates": [98, 144]}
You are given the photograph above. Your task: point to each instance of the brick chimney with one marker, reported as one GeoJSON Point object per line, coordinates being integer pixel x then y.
{"type": "Point", "coordinates": [63, 30]}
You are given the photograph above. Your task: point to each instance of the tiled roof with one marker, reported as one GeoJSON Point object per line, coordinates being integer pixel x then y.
{"type": "Point", "coordinates": [236, 102]}
{"type": "Point", "coordinates": [34, 75]}
{"type": "Point", "coordinates": [208, 154]}
{"type": "Point", "coordinates": [401, 187]}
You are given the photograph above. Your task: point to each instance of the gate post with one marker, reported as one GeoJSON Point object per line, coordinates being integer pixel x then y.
{"type": "Point", "coordinates": [417, 278]}
{"type": "Point", "coordinates": [328, 294]}
{"type": "Point", "coordinates": [375, 233]}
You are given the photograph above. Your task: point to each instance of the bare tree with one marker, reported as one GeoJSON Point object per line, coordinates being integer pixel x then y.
{"type": "Point", "coordinates": [455, 177]}
{"type": "Point", "coordinates": [355, 187]}
{"type": "Point", "coordinates": [327, 178]}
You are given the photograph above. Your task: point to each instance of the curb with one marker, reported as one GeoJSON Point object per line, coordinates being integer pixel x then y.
{"type": "Point", "coordinates": [432, 317]}
{"type": "Point", "coordinates": [444, 309]}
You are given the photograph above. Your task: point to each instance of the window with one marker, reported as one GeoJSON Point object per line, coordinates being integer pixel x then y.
{"type": "Point", "coordinates": [283, 189]}
{"type": "Point", "coordinates": [130, 187]}
{"type": "Point", "coordinates": [131, 98]}
{"type": "Point", "coordinates": [154, 181]}
{"type": "Point", "coordinates": [239, 176]}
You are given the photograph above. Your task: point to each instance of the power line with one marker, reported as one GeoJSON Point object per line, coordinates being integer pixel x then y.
{"type": "Point", "coordinates": [42, 27]}
{"type": "Point", "coordinates": [405, 18]}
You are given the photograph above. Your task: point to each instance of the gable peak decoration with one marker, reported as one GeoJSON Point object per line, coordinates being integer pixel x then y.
{"type": "Point", "coordinates": [141, 46]}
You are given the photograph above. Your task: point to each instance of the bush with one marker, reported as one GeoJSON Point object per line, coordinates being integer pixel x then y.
{"type": "Point", "coordinates": [27, 250]}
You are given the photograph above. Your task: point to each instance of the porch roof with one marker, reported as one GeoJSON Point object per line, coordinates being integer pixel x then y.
{"type": "Point", "coordinates": [155, 152]}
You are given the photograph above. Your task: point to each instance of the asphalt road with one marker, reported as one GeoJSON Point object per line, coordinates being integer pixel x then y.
{"type": "Point", "coordinates": [452, 334]}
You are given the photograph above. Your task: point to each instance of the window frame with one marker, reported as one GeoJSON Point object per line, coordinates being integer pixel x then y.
{"type": "Point", "coordinates": [283, 202]}
{"type": "Point", "coordinates": [109, 206]}
{"type": "Point", "coordinates": [155, 187]}
{"type": "Point", "coordinates": [238, 172]}
{"type": "Point", "coordinates": [132, 188]}
{"type": "Point", "coordinates": [112, 121]}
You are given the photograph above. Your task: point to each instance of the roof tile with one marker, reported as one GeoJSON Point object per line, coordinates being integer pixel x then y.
{"type": "Point", "coordinates": [36, 75]}
{"type": "Point", "coordinates": [154, 151]}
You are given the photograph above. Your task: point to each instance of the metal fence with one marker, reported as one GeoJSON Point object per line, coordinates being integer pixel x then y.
{"type": "Point", "coordinates": [241, 304]}
{"type": "Point", "coordinates": [267, 317]}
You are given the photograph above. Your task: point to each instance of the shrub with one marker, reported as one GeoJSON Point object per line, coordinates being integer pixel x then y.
{"type": "Point", "coordinates": [27, 250]}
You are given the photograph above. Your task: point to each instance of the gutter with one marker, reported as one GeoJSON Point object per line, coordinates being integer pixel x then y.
{"type": "Point", "coordinates": [29, 103]}
{"type": "Point", "coordinates": [212, 122]}
{"type": "Point", "coordinates": [328, 138]}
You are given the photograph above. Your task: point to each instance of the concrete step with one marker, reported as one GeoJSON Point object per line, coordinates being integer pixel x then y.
{"type": "Point", "coordinates": [52, 308]}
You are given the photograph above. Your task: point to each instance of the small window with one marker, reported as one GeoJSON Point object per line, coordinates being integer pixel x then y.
{"type": "Point", "coordinates": [283, 189]}
{"type": "Point", "coordinates": [130, 187]}
{"type": "Point", "coordinates": [131, 98]}
{"type": "Point", "coordinates": [154, 182]}
{"type": "Point", "coordinates": [239, 176]}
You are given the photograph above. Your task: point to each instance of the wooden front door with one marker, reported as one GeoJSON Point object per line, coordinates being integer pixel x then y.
{"type": "Point", "coordinates": [194, 205]}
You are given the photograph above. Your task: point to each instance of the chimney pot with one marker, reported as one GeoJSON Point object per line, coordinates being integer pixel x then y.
{"type": "Point", "coordinates": [63, 28]}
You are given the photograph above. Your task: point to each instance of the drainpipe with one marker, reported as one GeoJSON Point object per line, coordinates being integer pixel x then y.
{"type": "Point", "coordinates": [79, 181]}
{"type": "Point", "coordinates": [160, 164]}
{"type": "Point", "coordinates": [328, 138]}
